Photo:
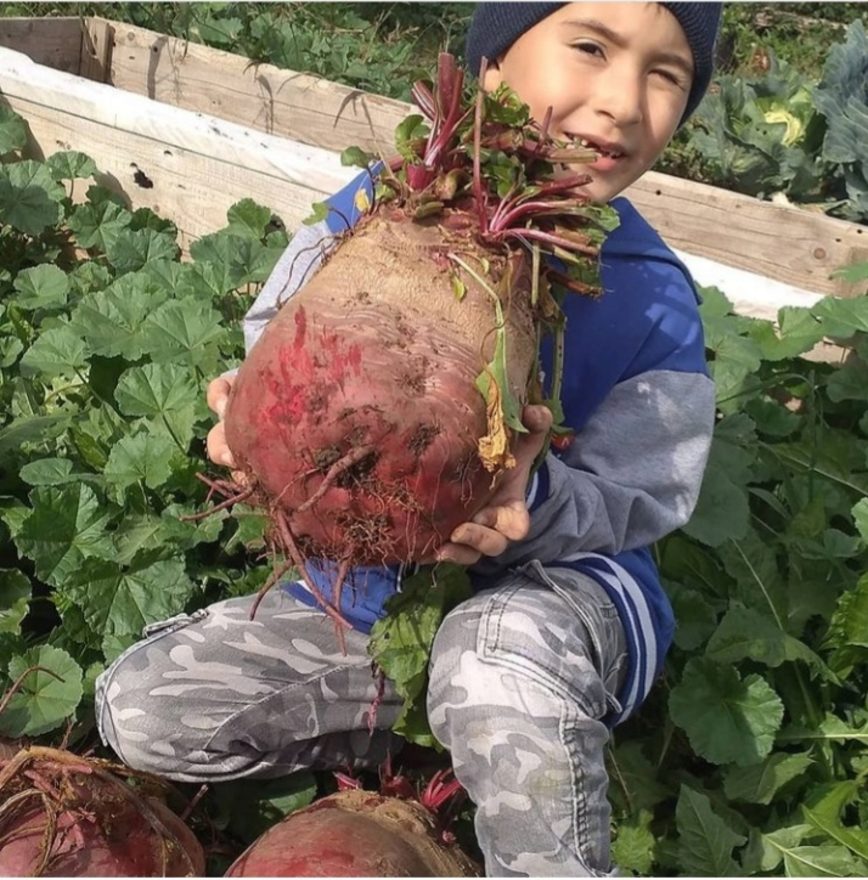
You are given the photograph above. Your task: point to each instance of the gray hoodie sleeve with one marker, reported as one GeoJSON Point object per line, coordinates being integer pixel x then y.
{"type": "Point", "coordinates": [631, 476]}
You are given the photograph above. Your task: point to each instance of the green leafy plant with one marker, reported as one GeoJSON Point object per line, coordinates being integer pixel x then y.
{"type": "Point", "coordinates": [107, 344]}
{"type": "Point", "coordinates": [758, 737]}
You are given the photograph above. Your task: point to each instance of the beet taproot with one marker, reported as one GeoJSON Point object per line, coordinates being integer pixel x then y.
{"type": "Point", "coordinates": [358, 368]}
{"type": "Point", "coordinates": [379, 408]}
{"type": "Point", "coordinates": [355, 834]}
{"type": "Point", "coordinates": [62, 815]}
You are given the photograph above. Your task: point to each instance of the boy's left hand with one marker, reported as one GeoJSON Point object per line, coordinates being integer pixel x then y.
{"type": "Point", "coordinates": [505, 518]}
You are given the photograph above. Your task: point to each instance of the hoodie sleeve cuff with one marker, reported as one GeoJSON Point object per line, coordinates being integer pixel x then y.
{"type": "Point", "coordinates": [538, 490]}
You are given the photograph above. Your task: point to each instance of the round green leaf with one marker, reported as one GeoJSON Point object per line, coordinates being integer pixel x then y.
{"type": "Point", "coordinates": [71, 164]}
{"type": "Point", "coordinates": [29, 197]}
{"type": "Point", "coordinates": [249, 219]}
{"type": "Point", "coordinates": [58, 351]}
{"type": "Point", "coordinates": [67, 525]}
{"type": "Point", "coordinates": [43, 702]}
{"type": "Point", "coordinates": [131, 249]}
{"type": "Point", "coordinates": [144, 457]}
{"type": "Point", "coordinates": [41, 287]}
{"type": "Point", "coordinates": [727, 719]}
{"type": "Point", "coordinates": [13, 130]}
{"type": "Point", "coordinates": [99, 225]}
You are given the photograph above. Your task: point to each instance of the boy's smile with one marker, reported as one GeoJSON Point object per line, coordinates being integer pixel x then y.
{"type": "Point", "coordinates": [617, 77]}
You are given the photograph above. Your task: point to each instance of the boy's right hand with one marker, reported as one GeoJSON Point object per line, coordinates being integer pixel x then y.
{"type": "Point", "coordinates": [217, 397]}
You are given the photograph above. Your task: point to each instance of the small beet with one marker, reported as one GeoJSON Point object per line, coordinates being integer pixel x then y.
{"type": "Point", "coordinates": [355, 834]}
{"type": "Point", "coordinates": [62, 815]}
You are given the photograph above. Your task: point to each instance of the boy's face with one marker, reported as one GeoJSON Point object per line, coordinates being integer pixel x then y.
{"type": "Point", "coordinates": [617, 75]}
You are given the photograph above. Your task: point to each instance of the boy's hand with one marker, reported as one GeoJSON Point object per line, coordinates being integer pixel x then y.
{"type": "Point", "coordinates": [506, 517]}
{"type": "Point", "coordinates": [218, 450]}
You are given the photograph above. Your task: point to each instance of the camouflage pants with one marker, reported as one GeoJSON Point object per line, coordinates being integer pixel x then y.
{"type": "Point", "coordinates": [521, 676]}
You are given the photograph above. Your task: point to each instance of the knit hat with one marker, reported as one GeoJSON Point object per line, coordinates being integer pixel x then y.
{"type": "Point", "coordinates": [496, 26]}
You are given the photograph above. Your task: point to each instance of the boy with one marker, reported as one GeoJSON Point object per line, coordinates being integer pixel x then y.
{"type": "Point", "coordinates": [569, 625]}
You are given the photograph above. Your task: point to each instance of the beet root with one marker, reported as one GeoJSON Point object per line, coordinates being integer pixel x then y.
{"type": "Point", "coordinates": [355, 834]}
{"type": "Point", "coordinates": [66, 816]}
{"type": "Point", "coordinates": [357, 413]}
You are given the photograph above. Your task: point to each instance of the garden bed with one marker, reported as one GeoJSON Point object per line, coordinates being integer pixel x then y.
{"type": "Point", "coordinates": [192, 115]}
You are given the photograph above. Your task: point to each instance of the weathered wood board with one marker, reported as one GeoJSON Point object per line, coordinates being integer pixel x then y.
{"type": "Point", "coordinates": [187, 166]}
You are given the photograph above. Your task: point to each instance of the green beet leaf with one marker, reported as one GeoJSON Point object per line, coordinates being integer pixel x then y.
{"type": "Point", "coordinates": [760, 783]}
{"type": "Point", "coordinates": [705, 841]}
{"type": "Point", "coordinates": [727, 719]}
{"type": "Point", "coordinates": [68, 525]}
{"type": "Point", "coordinates": [44, 700]}
{"type": "Point", "coordinates": [15, 594]}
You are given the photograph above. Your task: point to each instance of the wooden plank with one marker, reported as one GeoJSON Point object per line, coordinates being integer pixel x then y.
{"type": "Point", "coordinates": [788, 244]}
{"type": "Point", "coordinates": [55, 42]}
{"type": "Point", "coordinates": [97, 44]}
{"type": "Point", "coordinates": [186, 166]}
{"type": "Point", "coordinates": [283, 102]}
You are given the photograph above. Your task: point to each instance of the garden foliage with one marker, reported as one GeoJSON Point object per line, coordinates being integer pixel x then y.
{"type": "Point", "coordinates": [751, 756]}
{"type": "Point", "coordinates": [780, 132]}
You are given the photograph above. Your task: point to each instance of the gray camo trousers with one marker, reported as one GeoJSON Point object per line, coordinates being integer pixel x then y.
{"type": "Point", "coordinates": [520, 677]}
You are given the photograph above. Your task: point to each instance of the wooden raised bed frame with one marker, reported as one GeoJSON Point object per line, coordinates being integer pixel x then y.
{"type": "Point", "coordinates": [199, 167]}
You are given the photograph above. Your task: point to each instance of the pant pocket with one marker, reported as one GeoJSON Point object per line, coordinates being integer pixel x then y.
{"type": "Point", "coordinates": [599, 615]}
{"type": "Point", "coordinates": [527, 627]}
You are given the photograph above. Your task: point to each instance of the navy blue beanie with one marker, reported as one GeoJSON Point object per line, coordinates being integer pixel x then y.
{"type": "Point", "coordinates": [496, 26]}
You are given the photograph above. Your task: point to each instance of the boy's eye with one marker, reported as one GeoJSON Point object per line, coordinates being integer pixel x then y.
{"type": "Point", "coordinates": [589, 48]}
{"type": "Point", "coordinates": [671, 77]}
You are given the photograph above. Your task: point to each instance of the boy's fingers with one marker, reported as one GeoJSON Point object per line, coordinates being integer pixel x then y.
{"type": "Point", "coordinates": [217, 448]}
{"type": "Point", "coordinates": [537, 418]}
{"type": "Point", "coordinates": [460, 554]}
{"type": "Point", "coordinates": [217, 394]}
{"type": "Point", "coordinates": [511, 520]}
